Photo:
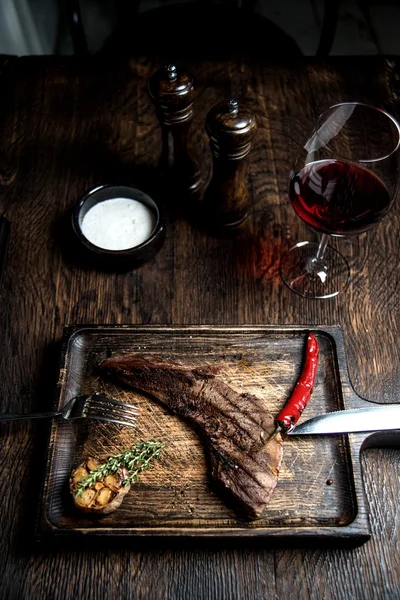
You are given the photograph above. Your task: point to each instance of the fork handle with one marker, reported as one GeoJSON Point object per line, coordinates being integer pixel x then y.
{"type": "Point", "coordinates": [19, 417]}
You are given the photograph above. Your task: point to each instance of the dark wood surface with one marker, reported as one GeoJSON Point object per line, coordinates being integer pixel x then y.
{"type": "Point", "coordinates": [66, 127]}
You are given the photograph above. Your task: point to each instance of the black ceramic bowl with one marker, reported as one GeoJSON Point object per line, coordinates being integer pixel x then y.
{"type": "Point", "coordinates": [118, 259]}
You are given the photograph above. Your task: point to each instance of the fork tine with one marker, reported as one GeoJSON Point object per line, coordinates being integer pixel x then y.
{"type": "Point", "coordinates": [93, 412]}
{"type": "Point", "coordinates": [112, 410]}
{"type": "Point", "coordinates": [107, 412]}
{"type": "Point", "coordinates": [112, 420]}
{"type": "Point", "coordinates": [111, 403]}
{"type": "Point", "coordinates": [108, 399]}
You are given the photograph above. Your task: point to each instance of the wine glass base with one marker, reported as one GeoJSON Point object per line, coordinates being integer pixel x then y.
{"type": "Point", "coordinates": [312, 278]}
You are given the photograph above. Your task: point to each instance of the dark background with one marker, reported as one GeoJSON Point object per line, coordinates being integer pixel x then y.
{"type": "Point", "coordinates": [41, 26]}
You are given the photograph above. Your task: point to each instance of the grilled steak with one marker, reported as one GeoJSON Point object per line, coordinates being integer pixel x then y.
{"type": "Point", "coordinates": [234, 426]}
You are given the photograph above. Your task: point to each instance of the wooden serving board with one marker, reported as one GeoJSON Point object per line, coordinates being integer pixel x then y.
{"type": "Point", "coordinates": [319, 494]}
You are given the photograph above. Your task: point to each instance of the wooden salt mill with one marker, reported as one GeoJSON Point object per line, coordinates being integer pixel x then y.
{"type": "Point", "coordinates": [172, 93]}
{"type": "Point", "coordinates": [231, 128]}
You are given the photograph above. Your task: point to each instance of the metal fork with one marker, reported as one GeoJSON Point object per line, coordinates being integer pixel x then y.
{"type": "Point", "coordinates": [89, 406]}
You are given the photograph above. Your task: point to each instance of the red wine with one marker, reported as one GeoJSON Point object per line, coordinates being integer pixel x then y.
{"type": "Point", "coordinates": [338, 197]}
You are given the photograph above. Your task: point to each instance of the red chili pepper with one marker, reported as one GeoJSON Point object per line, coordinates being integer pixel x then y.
{"type": "Point", "coordinates": [301, 394]}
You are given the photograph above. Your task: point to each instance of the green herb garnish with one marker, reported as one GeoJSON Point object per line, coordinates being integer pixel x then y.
{"type": "Point", "coordinates": [135, 460]}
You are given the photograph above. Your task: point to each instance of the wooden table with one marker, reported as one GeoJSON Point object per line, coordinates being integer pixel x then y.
{"type": "Point", "coordinates": [66, 127]}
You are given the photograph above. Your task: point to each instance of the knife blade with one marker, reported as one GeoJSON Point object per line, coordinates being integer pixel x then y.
{"type": "Point", "coordinates": [374, 418]}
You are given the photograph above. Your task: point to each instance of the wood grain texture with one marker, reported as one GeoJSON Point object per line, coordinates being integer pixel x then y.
{"type": "Point", "coordinates": [67, 127]}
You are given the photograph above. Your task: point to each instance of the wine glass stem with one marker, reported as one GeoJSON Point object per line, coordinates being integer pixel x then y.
{"type": "Point", "coordinates": [322, 246]}
{"type": "Point", "coordinates": [317, 264]}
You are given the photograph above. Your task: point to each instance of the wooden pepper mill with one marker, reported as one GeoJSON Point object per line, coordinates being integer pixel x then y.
{"type": "Point", "coordinates": [172, 93]}
{"type": "Point", "coordinates": [231, 128]}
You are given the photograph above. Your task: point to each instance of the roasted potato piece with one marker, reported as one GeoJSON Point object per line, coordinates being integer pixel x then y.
{"type": "Point", "coordinates": [105, 495]}
{"type": "Point", "coordinates": [79, 474]}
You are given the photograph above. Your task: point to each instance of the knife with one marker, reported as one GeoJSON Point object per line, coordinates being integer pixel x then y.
{"type": "Point", "coordinates": [374, 418]}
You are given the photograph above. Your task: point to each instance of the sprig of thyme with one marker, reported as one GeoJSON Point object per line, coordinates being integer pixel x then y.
{"type": "Point", "coordinates": [135, 460]}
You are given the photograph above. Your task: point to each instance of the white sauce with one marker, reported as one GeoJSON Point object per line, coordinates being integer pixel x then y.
{"type": "Point", "coordinates": [118, 224]}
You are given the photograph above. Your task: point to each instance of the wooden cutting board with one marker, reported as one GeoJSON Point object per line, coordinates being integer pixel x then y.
{"type": "Point", "coordinates": [319, 495]}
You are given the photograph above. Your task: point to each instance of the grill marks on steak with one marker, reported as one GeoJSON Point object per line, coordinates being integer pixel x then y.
{"type": "Point", "coordinates": [235, 426]}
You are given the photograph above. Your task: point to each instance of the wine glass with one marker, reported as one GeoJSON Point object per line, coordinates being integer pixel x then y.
{"type": "Point", "coordinates": [344, 181]}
